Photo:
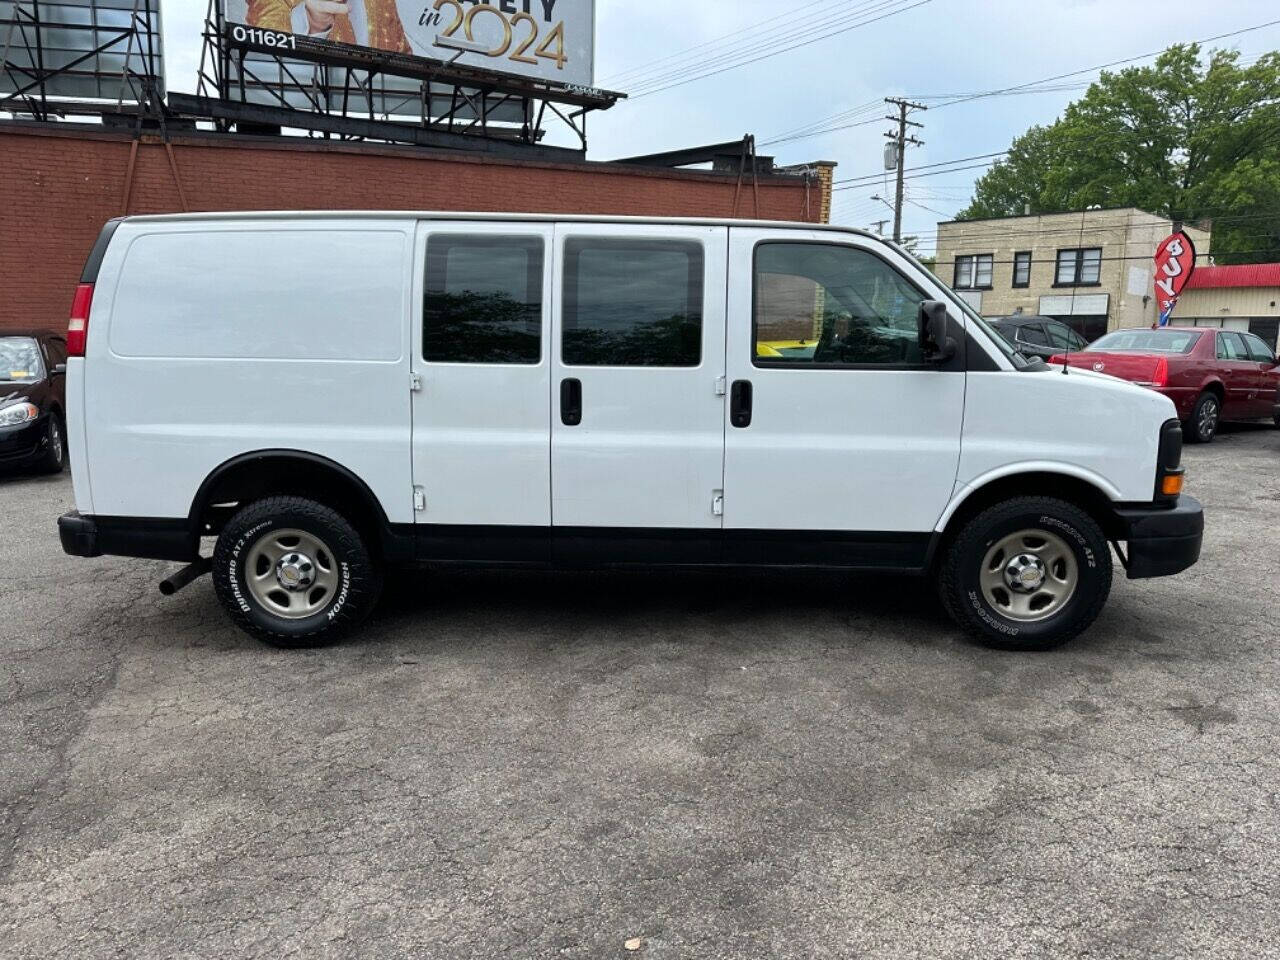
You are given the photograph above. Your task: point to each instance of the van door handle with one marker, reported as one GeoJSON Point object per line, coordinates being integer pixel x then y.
{"type": "Point", "coordinates": [740, 403]}
{"type": "Point", "coordinates": [571, 402]}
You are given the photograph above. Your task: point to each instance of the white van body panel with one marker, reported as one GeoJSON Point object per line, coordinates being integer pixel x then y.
{"type": "Point", "coordinates": [218, 335]}
{"type": "Point", "coordinates": [213, 340]}
{"type": "Point", "coordinates": [77, 441]}
{"type": "Point", "coordinates": [842, 449]}
{"type": "Point", "coordinates": [649, 451]}
{"type": "Point", "coordinates": [480, 446]}
{"type": "Point", "coordinates": [1095, 428]}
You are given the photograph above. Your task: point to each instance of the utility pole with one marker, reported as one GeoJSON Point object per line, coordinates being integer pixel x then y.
{"type": "Point", "coordinates": [879, 225]}
{"type": "Point", "coordinates": [900, 139]}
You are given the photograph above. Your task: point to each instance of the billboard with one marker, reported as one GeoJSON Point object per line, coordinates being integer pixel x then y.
{"type": "Point", "coordinates": [548, 40]}
{"type": "Point", "coordinates": [79, 49]}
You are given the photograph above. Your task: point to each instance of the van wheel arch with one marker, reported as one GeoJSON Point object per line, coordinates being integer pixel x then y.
{"type": "Point", "coordinates": [267, 473]}
{"type": "Point", "coordinates": [1060, 486]}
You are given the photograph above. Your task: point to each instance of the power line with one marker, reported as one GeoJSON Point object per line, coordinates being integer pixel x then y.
{"type": "Point", "coordinates": [785, 49]}
{"type": "Point", "coordinates": [629, 75]}
{"type": "Point", "coordinates": [1025, 88]}
{"type": "Point", "coordinates": [1104, 66]}
{"type": "Point", "coordinates": [754, 45]}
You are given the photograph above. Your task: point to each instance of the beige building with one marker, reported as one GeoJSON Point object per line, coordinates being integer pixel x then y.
{"type": "Point", "coordinates": [1092, 270]}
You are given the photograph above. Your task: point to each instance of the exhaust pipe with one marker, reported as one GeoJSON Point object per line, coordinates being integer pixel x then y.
{"type": "Point", "coordinates": [197, 568]}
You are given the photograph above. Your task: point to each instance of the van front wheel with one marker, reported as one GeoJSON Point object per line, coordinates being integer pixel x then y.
{"type": "Point", "coordinates": [293, 572]}
{"type": "Point", "coordinates": [1028, 574]}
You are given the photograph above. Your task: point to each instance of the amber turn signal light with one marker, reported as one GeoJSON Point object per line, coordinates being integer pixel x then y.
{"type": "Point", "coordinates": [1171, 485]}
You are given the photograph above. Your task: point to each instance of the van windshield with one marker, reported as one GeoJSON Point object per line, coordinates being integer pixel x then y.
{"type": "Point", "coordinates": [20, 360]}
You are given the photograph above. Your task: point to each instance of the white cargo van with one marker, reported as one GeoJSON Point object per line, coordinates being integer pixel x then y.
{"type": "Point", "coordinates": [327, 394]}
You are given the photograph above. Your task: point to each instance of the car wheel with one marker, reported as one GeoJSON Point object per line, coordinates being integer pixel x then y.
{"type": "Point", "coordinates": [1028, 574]}
{"type": "Point", "coordinates": [1205, 416]}
{"type": "Point", "coordinates": [55, 450]}
{"type": "Point", "coordinates": [294, 573]}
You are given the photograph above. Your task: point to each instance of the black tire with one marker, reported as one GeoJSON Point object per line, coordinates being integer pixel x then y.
{"type": "Point", "coordinates": [54, 458]}
{"type": "Point", "coordinates": [962, 566]}
{"type": "Point", "coordinates": [358, 579]}
{"type": "Point", "coordinates": [1205, 417]}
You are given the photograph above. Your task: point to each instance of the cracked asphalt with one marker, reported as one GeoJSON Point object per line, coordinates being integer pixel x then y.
{"type": "Point", "coordinates": [539, 765]}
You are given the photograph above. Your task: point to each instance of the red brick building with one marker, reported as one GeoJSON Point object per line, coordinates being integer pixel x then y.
{"type": "Point", "coordinates": [62, 182]}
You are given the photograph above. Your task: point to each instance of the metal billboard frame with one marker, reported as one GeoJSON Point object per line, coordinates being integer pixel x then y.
{"type": "Point", "coordinates": [24, 32]}
{"type": "Point", "coordinates": [471, 96]}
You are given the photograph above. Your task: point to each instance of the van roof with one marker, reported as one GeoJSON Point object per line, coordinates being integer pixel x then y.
{"type": "Point", "coordinates": [480, 216]}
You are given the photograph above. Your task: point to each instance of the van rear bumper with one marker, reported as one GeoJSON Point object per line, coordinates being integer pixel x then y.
{"type": "Point", "coordinates": [149, 537]}
{"type": "Point", "coordinates": [1162, 541]}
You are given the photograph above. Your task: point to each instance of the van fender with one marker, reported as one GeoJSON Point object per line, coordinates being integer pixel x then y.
{"type": "Point", "coordinates": [201, 500]}
{"type": "Point", "coordinates": [964, 491]}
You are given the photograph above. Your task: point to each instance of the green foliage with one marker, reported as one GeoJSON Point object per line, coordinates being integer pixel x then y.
{"type": "Point", "coordinates": [1185, 138]}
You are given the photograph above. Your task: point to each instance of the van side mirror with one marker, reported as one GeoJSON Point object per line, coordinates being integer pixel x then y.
{"type": "Point", "coordinates": [935, 341]}
{"type": "Point", "coordinates": [59, 368]}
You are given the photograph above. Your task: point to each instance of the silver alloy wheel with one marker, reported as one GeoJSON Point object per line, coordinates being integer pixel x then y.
{"type": "Point", "coordinates": [1207, 425]}
{"type": "Point", "coordinates": [1029, 576]}
{"type": "Point", "coordinates": [291, 573]}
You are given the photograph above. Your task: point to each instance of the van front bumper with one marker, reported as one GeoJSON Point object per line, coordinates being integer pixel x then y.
{"type": "Point", "coordinates": [1162, 540]}
{"type": "Point", "coordinates": [149, 537]}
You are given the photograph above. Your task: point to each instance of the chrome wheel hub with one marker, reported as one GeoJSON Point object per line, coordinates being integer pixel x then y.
{"type": "Point", "coordinates": [1029, 576]}
{"type": "Point", "coordinates": [1025, 573]}
{"type": "Point", "coordinates": [295, 571]}
{"type": "Point", "coordinates": [291, 573]}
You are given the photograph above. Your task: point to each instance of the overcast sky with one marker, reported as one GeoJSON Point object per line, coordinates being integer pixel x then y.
{"type": "Point", "coordinates": [936, 48]}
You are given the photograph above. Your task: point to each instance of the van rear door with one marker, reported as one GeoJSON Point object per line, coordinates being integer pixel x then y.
{"type": "Point", "coordinates": [637, 432]}
{"type": "Point", "coordinates": [482, 387]}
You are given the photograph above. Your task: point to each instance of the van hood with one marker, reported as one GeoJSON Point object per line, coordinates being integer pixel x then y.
{"type": "Point", "coordinates": [1120, 387]}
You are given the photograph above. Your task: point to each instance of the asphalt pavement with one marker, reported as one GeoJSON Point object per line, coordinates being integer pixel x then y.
{"type": "Point", "coordinates": [713, 766]}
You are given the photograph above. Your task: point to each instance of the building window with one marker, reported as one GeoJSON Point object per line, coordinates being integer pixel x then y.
{"type": "Point", "coordinates": [1079, 268]}
{"type": "Point", "coordinates": [1022, 269]}
{"type": "Point", "coordinates": [974, 272]}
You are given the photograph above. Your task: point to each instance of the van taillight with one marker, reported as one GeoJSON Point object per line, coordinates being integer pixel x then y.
{"type": "Point", "coordinates": [1161, 377]}
{"type": "Point", "coordinates": [78, 325]}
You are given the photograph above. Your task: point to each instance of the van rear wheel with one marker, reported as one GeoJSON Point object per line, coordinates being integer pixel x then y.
{"type": "Point", "coordinates": [1028, 574]}
{"type": "Point", "coordinates": [294, 573]}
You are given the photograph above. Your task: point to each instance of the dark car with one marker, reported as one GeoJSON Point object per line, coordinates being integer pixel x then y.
{"type": "Point", "coordinates": [33, 423]}
{"type": "Point", "coordinates": [1041, 337]}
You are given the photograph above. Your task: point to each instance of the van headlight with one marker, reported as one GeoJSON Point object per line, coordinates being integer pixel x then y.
{"type": "Point", "coordinates": [17, 413]}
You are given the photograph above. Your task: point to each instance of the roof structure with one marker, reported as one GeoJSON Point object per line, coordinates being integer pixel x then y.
{"type": "Point", "coordinates": [1244, 275]}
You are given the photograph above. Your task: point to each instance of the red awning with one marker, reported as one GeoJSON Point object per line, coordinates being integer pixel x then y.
{"type": "Point", "coordinates": [1245, 275]}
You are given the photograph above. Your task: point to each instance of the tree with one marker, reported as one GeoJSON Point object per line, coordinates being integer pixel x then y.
{"type": "Point", "coordinates": [1182, 138]}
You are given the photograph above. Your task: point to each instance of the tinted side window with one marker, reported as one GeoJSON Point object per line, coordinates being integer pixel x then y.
{"type": "Point", "coordinates": [825, 304]}
{"type": "Point", "coordinates": [1034, 333]}
{"type": "Point", "coordinates": [632, 303]}
{"type": "Point", "coordinates": [1060, 335]}
{"type": "Point", "coordinates": [1231, 347]}
{"type": "Point", "coordinates": [1258, 349]}
{"type": "Point", "coordinates": [483, 300]}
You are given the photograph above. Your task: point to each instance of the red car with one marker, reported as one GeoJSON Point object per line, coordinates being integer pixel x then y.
{"type": "Point", "coordinates": [1209, 374]}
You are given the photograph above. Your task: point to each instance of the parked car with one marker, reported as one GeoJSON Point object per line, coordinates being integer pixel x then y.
{"type": "Point", "coordinates": [480, 389]}
{"type": "Point", "coordinates": [1210, 375]}
{"type": "Point", "coordinates": [33, 401]}
{"type": "Point", "coordinates": [1041, 337]}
